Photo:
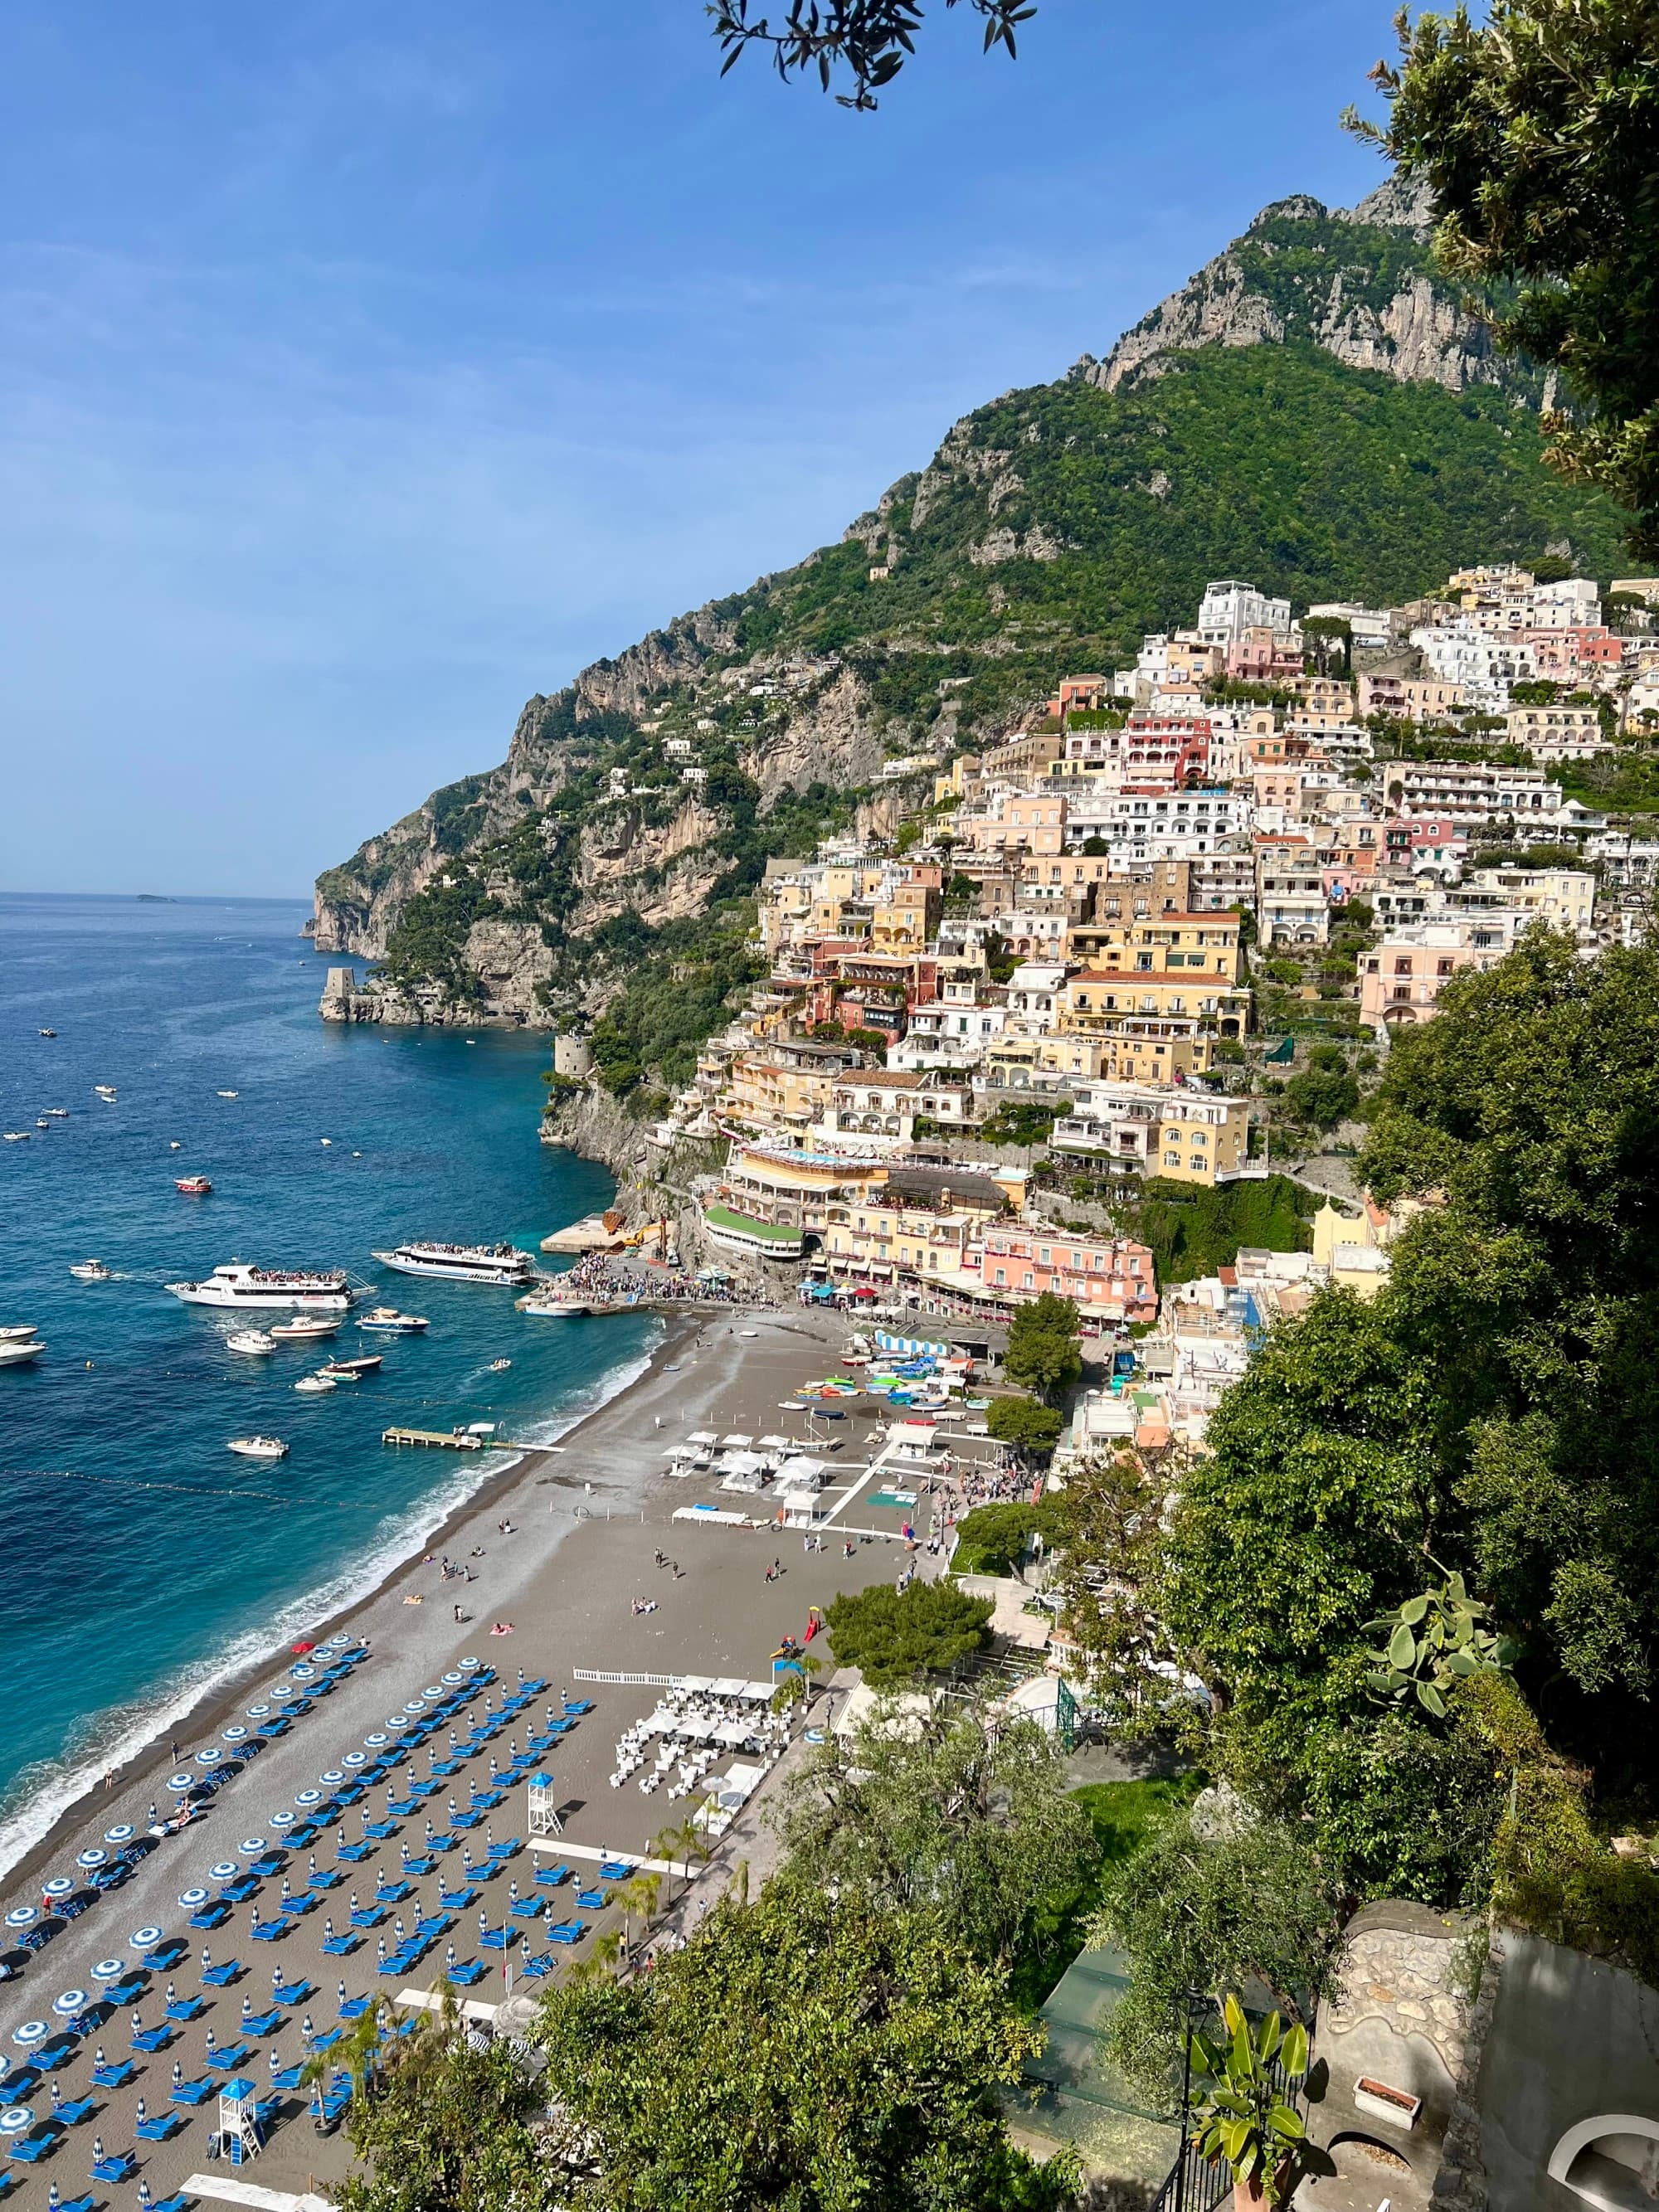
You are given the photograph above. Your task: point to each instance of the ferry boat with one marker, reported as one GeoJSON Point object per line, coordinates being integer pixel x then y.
{"type": "Point", "coordinates": [304, 1329]}
{"type": "Point", "coordinates": [194, 1186]}
{"type": "Point", "coordinates": [394, 1323]}
{"type": "Point", "coordinates": [322, 1291]}
{"type": "Point", "coordinates": [90, 1271]}
{"type": "Point", "coordinates": [259, 1447]}
{"type": "Point", "coordinates": [502, 1264]}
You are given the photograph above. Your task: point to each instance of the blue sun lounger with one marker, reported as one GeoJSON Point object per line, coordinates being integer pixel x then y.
{"type": "Point", "coordinates": [592, 1900]}
{"type": "Point", "coordinates": [211, 1916]}
{"type": "Point", "coordinates": [566, 1931]}
{"type": "Point", "coordinates": [356, 1853]}
{"type": "Point", "coordinates": [29, 2150]}
{"type": "Point", "coordinates": [184, 2009]}
{"type": "Point", "coordinates": [112, 2077]}
{"type": "Point", "coordinates": [341, 1947]}
{"type": "Point", "coordinates": [263, 2024]}
{"type": "Point", "coordinates": [550, 1877]}
{"type": "Point", "coordinates": [468, 1973]}
{"type": "Point", "coordinates": [121, 2167]}
{"type": "Point", "coordinates": [192, 2093]}
{"type": "Point", "coordinates": [221, 1976]}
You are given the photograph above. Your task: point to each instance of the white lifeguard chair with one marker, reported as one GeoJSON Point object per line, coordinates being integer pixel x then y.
{"type": "Point", "coordinates": [543, 1820]}
{"type": "Point", "coordinates": [238, 2120]}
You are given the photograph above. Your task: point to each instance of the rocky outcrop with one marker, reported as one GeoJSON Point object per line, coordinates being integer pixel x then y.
{"type": "Point", "coordinates": [831, 737]}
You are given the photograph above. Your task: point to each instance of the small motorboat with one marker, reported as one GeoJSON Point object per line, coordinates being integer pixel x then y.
{"type": "Point", "coordinates": [303, 1327]}
{"type": "Point", "coordinates": [227, 1094]}
{"type": "Point", "coordinates": [90, 1271]}
{"type": "Point", "coordinates": [175, 1146]}
{"type": "Point", "coordinates": [253, 1341]}
{"type": "Point", "coordinates": [105, 1091]}
{"type": "Point", "coordinates": [395, 1323]}
{"type": "Point", "coordinates": [48, 1032]}
{"type": "Point", "coordinates": [314, 1385]}
{"type": "Point", "coordinates": [19, 1344]}
{"type": "Point", "coordinates": [259, 1447]}
{"type": "Point", "coordinates": [55, 1113]}
{"type": "Point", "coordinates": [499, 1366]}
{"type": "Point", "coordinates": [18, 1136]}
{"type": "Point", "coordinates": [43, 1123]}
{"type": "Point", "coordinates": [351, 1371]}
{"type": "Point", "coordinates": [192, 1185]}
{"type": "Point", "coordinates": [325, 1140]}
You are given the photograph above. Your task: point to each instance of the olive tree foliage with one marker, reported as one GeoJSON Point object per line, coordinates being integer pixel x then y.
{"type": "Point", "coordinates": [942, 1812]}
{"type": "Point", "coordinates": [868, 40]}
{"type": "Point", "coordinates": [1537, 127]}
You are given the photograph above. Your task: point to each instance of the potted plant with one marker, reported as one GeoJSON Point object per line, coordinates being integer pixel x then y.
{"type": "Point", "coordinates": [1244, 2085]}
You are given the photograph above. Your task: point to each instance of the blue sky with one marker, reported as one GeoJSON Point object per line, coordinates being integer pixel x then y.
{"type": "Point", "coordinates": [365, 368]}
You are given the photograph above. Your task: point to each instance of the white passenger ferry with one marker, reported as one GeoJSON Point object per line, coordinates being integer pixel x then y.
{"type": "Point", "coordinates": [463, 1263]}
{"type": "Point", "coordinates": [268, 1288]}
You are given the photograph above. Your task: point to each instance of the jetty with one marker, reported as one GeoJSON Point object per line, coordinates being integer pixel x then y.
{"type": "Point", "coordinates": [447, 1439]}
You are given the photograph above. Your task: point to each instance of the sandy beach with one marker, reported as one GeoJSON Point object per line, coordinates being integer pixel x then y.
{"type": "Point", "coordinates": [587, 1522]}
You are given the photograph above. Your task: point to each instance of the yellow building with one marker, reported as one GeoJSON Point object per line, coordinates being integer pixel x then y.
{"type": "Point", "coordinates": [1204, 944]}
{"type": "Point", "coordinates": [1095, 1000]}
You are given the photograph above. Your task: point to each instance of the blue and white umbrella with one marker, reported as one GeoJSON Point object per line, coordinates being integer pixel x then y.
{"type": "Point", "coordinates": [307, 1797]}
{"type": "Point", "coordinates": [333, 1777]}
{"type": "Point", "coordinates": [59, 1886]}
{"type": "Point", "coordinates": [375, 1741]}
{"type": "Point", "coordinates": [16, 2120]}
{"type": "Point", "coordinates": [31, 2033]}
{"type": "Point", "coordinates": [92, 1858]}
{"type": "Point", "coordinates": [237, 1734]}
{"type": "Point", "coordinates": [70, 2002]}
{"type": "Point", "coordinates": [226, 1870]}
{"type": "Point", "coordinates": [251, 1846]}
{"type": "Point", "coordinates": [398, 1723]}
{"type": "Point", "coordinates": [143, 1939]}
{"type": "Point", "coordinates": [121, 1833]}
{"type": "Point", "coordinates": [467, 1665]}
{"type": "Point", "coordinates": [192, 1899]}
{"type": "Point", "coordinates": [281, 1690]}
{"type": "Point", "coordinates": [303, 1672]}
{"type": "Point", "coordinates": [338, 1643]}
{"type": "Point", "coordinates": [353, 1758]}
{"type": "Point", "coordinates": [432, 1692]}
{"type": "Point", "coordinates": [258, 1712]}
{"type": "Point", "coordinates": [283, 1820]}
{"type": "Point", "coordinates": [109, 1970]}
{"type": "Point", "coordinates": [180, 1783]}
{"type": "Point", "coordinates": [415, 1707]}
{"type": "Point", "coordinates": [210, 1757]}
{"type": "Point", "coordinates": [454, 1677]}
{"type": "Point", "coordinates": [22, 1915]}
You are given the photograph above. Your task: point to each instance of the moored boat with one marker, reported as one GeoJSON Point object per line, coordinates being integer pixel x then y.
{"type": "Point", "coordinates": [351, 1371]}
{"type": "Point", "coordinates": [321, 1290]}
{"type": "Point", "coordinates": [259, 1447]}
{"type": "Point", "coordinates": [498, 1264]}
{"type": "Point", "coordinates": [19, 1344]}
{"type": "Point", "coordinates": [192, 1185]}
{"type": "Point", "coordinates": [394, 1323]}
{"type": "Point", "coordinates": [314, 1385]}
{"type": "Point", "coordinates": [253, 1341]}
{"type": "Point", "coordinates": [305, 1328]}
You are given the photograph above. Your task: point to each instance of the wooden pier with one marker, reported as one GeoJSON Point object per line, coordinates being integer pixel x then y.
{"type": "Point", "coordinates": [447, 1439]}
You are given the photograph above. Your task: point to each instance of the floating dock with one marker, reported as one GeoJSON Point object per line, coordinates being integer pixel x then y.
{"type": "Point", "coordinates": [447, 1439]}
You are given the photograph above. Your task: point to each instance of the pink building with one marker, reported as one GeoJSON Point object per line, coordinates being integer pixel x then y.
{"type": "Point", "coordinates": [1110, 1277]}
{"type": "Point", "coordinates": [1401, 981]}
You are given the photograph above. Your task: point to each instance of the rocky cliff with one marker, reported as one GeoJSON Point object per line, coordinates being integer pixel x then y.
{"type": "Point", "coordinates": [1317, 410]}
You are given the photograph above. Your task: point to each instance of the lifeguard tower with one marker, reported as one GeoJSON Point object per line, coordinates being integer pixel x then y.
{"type": "Point", "coordinates": [543, 1819]}
{"type": "Point", "coordinates": [238, 2120]}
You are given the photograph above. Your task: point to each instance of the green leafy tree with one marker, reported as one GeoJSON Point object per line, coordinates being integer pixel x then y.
{"type": "Point", "coordinates": [1042, 1352]}
{"type": "Point", "coordinates": [896, 1637]}
{"type": "Point", "coordinates": [951, 1815]}
{"type": "Point", "coordinates": [1537, 129]}
{"type": "Point", "coordinates": [800, 2051]}
{"type": "Point", "coordinates": [1322, 1097]}
{"type": "Point", "coordinates": [1205, 1910]}
{"type": "Point", "coordinates": [870, 40]}
{"type": "Point", "coordinates": [1024, 1424]}
{"type": "Point", "coordinates": [993, 1539]}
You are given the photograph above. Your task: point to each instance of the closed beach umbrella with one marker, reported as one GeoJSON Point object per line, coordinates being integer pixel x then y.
{"type": "Point", "coordinates": [121, 1833]}
{"type": "Point", "coordinates": [226, 1870]}
{"type": "Point", "coordinates": [251, 1846]}
{"type": "Point", "coordinates": [31, 2033]}
{"type": "Point", "coordinates": [108, 1970]}
{"type": "Point", "coordinates": [144, 1939]}
{"type": "Point", "coordinates": [92, 1858]}
{"type": "Point", "coordinates": [181, 1782]}
{"type": "Point", "coordinates": [22, 1915]}
{"type": "Point", "coordinates": [236, 1733]}
{"type": "Point", "coordinates": [70, 2002]}
{"type": "Point", "coordinates": [192, 1899]}
{"type": "Point", "coordinates": [16, 2120]}
{"type": "Point", "coordinates": [210, 1757]}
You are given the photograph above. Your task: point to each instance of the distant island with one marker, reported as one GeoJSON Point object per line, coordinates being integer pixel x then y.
{"type": "Point", "coordinates": [154, 898]}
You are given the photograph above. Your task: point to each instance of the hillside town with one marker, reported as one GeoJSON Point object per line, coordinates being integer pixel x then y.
{"type": "Point", "coordinates": [1094, 958]}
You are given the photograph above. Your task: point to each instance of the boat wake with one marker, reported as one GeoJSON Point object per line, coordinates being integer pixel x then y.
{"type": "Point", "coordinates": [40, 1794]}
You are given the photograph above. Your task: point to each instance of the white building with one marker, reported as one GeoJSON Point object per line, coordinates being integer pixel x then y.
{"type": "Point", "coordinates": [1229, 609]}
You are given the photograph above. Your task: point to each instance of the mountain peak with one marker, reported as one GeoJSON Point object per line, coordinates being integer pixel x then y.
{"type": "Point", "coordinates": [1357, 282]}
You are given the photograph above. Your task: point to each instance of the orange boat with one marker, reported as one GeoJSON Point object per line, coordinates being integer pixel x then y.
{"type": "Point", "coordinates": [195, 1186]}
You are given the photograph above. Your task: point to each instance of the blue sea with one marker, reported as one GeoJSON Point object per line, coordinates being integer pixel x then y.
{"type": "Point", "coordinates": [142, 1561]}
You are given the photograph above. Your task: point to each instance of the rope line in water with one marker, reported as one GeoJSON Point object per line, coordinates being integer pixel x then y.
{"type": "Point", "coordinates": [188, 1489]}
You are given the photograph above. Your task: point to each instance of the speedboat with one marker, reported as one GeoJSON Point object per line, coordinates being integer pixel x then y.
{"type": "Point", "coordinates": [251, 1340]}
{"type": "Point", "coordinates": [501, 1264]}
{"type": "Point", "coordinates": [227, 1094]}
{"type": "Point", "coordinates": [314, 1385]}
{"type": "Point", "coordinates": [324, 1291]}
{"type": "Point", "coordinates": [499, 1366]}
{"type": "Point", "coordinates": [192, 1185]}
{"type": "Point", "coordinates": [48, 1032]}
{"type": "Point", "coordinates": [18, 1136]}
{"type": "Point", "coordinates": [395, 1323]}
{"type": "Point", "coordinates": [90, 1271]}
{"type": "Point", "coordinates": [17, 1344]}
{"type": "Point", "coordinates": [55, 1113]}
{"type": "Point", "coordinates": [105, 1091]}
{"type": "Point", "coordinates": [43, 1123]}
{"type": "Point", "coordinates": [259, 1447]}
{"type": "Point", "coordinates": [305, 1328]}
{"type": "Point", "coordinates": [351, 1371]}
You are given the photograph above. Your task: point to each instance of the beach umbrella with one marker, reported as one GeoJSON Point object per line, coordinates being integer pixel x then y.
{"type": "Point", "coordinates": [235, 1735]}
{"type": "Point", "coordinates": [16, 2120]}
{"type": "Point", "coordinates": [31, 2033]}
{"type": "Point", "coordinates": [92, 1858]}
{"type": "Point", "coordinates": [466, 1665]}
{"type": "Point", "coordinates": [59, 1886]}
{"type": "Point", "coordinates": [283, 1820]}
{"type": "Point", "coordinates": [432, 1692]}
{"type": "Point", "coordinates": [397, 1724]}
{"type": "Point", "coordinates": [251, 1846]}
{"type": "Point", "coordinates": [276, 1981]}
{"type": "Point", "coordinates": [109, 1970]}
{"type": "Point", "coordinates": [22, 1915]}
{"type": "Point", "coordinates": [258, 1712]}
{"type": "Point", "coordinates": [454, 1677]}
{"type": "Point", "coordinates": [341, 1639]}
{"type": "Point", "coordinates": [376, 1741]}
{"type": "Point", "coordinates": [302, 1673]}
{"type": "Point", "coordinates": [280, 1690]}
{"type": "Point", "coordinates": [70, 2002]}
{"type": "Point", "coordinates": [192, 1900]}
{"type": "Point", "coordinates": [308, 1797]}
{"type": "Point", "coordinates": [353, 1758]}
{"type": "Point", "coordinates": [334, 1777]}
{"type": "Point", "coordinates": [415, 1707]}
{"type": "Point", "coordinates": [181, 1782]}
{"type": "Point", "coordinates": [144, 1939]}
{"type": "Point", "coordinates": [210, 1757]}
{"type": "Point", "coordinates": [225, 1870]}
{"type": "Point", "coordinates": [121, 1833]}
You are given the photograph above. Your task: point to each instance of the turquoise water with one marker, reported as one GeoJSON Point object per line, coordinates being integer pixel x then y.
{"type": "Point", "coordinates": [121, 1600]}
